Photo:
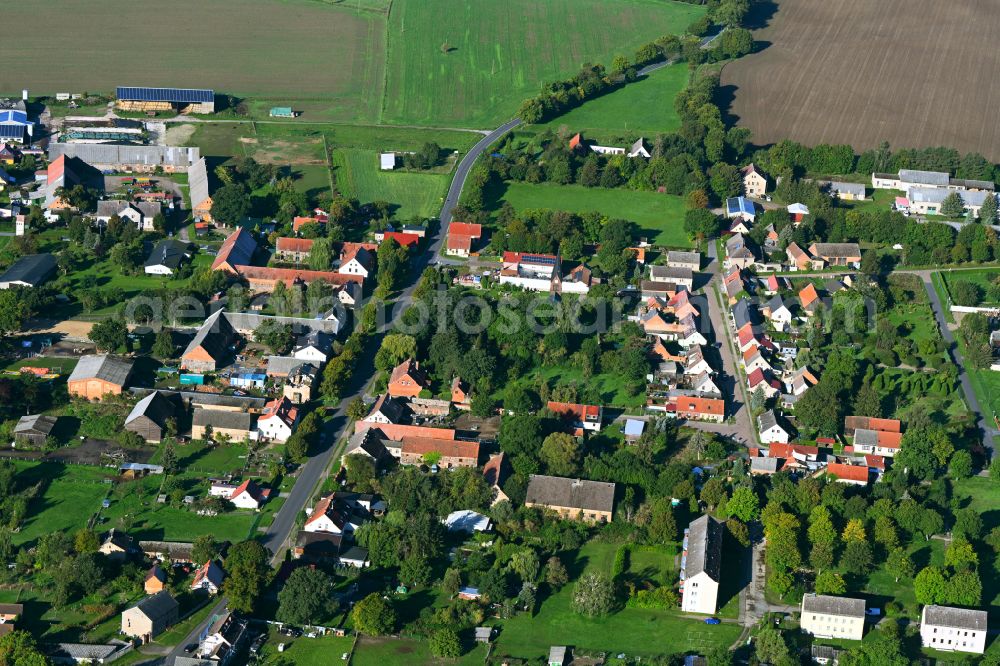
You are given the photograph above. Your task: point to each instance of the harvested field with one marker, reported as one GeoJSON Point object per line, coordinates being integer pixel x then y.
{"type": "Point", "coordinates": [910, 72]}
{"type": "Point", "coordinates": [295, 48]}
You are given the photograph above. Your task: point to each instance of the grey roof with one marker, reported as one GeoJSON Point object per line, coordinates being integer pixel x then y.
{"type": "Point", "coordinates": [198, 182]}
{"type": "Point", "coordinates": [776, 303]}
{"type": "Point", "coordinates": [391, 408]}
{"type": "Point", "coordinates": [768, 465]}
{"type": "Point", "coordinates": [837, 249]}
{"type": "Point", "coordinates": [109, 207]}
{"type": "Point", "coordinates": [676, 256]}
{"type": "Point", "coordinates": [557, 653]}
{"type": "Point", "coordinates": [670, 274]}
{"type": "Point", "coordinates": [157, 605]}
{"type": "Point", "coordinates": [104, 367]}
{"type": "Point", "coordinates": [282, 365]}
{"type": "Point", "coordinates": [248, 321]}
{"type": "Point", "coordinates": [572, 493]}
{"type": "Point", "coordinates": [767, 420]}
{"type": "Point", "coordinates": [937, 178]}
{"type": "Point", "coordinates": [169, 253]}
{"type": "Point", "coordinates": [937, 195]}
{"type": "Point", "coordinates": [825, 652]}
{"type": "Point", "coordinates": [959, 618]}
{"type": "Point", "coordinates": [220, 419]}
{"type": "Point", "coordinates": [33, 269]}
{"type": "Point", "coordinates": [215, 335]}
{"type": "Point", "coordinates": [154, 406]}
{"type": "Point", "coordinates": [81, 651]}
{"type": "Point", "coordinates": [36, 423]}
{"type": "Point", "coordinates": [865, 437]}
{"type": "Point", "coordinates": [704, 548]}
{"type": "Point", "coordinates": [742, 313]}
{"type": "Point", "coordinates": [109, 153]}
{"type": "Point", "coordinates": [829, 605]}
{"type": "Point", "coordinates": [209, 399]}
{"type": "Point", "coordinates": [854, 188]}
{"type": "Point", "coordinates": [972, 184]}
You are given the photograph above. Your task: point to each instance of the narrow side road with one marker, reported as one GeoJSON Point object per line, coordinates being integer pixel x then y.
{"type": "Point", "coordinates": [336, 424]}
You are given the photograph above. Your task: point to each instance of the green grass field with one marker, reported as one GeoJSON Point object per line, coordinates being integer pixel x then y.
{"type": "Point", "coordinates": [644, 107]}
{"type": "Point", "coordinates": [982, 278]}
{"type": "Point", "coordinates": [659, 217]}
{"type": "Point", "coordinates": [358, 176]}
{"type": "Point", "coordinates": [73, 493]}
{"type": "Point", "coordinates": [502, 52]}
{"type": "Point", "coordinates": [402, 652]}
{"type": "Point", "coordinates": [632, 631]}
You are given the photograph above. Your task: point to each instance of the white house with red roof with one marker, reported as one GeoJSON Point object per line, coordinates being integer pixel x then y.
{"type": "Point", "coordinates": [247, 495]}
{"type": "Point", "coordinates": [332, 517]}
{"type": "Point", "coordinates": [278, 421]}
{"type": "Point", "coordinates": [356, 260]}
{"type": "Point", "coordinates": [209, 577]}
{"type": "Point", "coordinates": [462, 238]}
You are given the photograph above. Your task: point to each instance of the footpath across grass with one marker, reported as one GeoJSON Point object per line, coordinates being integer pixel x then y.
{"type": "Point", "coordinates": [659, 217]}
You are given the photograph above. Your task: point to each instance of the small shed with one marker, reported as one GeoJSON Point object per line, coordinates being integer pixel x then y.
{"type": "Point", "coordinates": [483, 634]}
{"type": "Point", "coordinates": [633, 429]}
{"type": "Point", "coordinates": [282, 112]}
{"type": "Point", "coordinates": [387, 161]}
{"type": "Point", "coordinates": [557, 655]}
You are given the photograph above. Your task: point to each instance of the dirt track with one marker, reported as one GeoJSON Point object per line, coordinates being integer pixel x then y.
{"type": "Point", "coordinates": [915, 73]}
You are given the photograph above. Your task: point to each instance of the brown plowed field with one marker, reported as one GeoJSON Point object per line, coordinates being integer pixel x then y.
{"type": "Point", "coordinates": [916, 73]}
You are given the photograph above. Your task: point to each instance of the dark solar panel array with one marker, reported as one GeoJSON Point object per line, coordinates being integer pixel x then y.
{"type": "Point", "coordinates": [12, 131]}
{"type": "Point", "coordinates": [538, 259]}
{"type": "Point", "coordinates": [172, 95]}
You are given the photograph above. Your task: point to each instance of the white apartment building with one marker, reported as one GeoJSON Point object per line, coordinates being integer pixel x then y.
{"type": "Point", "coordinates": [833, 617]}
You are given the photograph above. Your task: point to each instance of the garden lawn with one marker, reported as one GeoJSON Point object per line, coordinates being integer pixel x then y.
{"type": "Point", "coordinates": [73, 493]}
{"type": "Point", "coordinates": [470, 63]}
{"type": "Point", "coordinates": [659, 217]}
{"type": "Point", "coordinates": [409, 194]}
{"type": "Point", "coordinates": [402, 652]}
{"type": "Point", "coordinates": [61, 365]}
{"type": "Point", "coordinates": [882, 582]}
{"type": "Point", "coordinates": [982, 278]}
{"type": "Point", "coordinates": [985, 384]}
{"type": "Point", "coordinates": [609, 386]}
{"type": "Point", "coordinates": [320, 651]}
{"type": "Point", "coordinates": [632, 631]}
{"type": "Point", "coordinates": [644, 107]}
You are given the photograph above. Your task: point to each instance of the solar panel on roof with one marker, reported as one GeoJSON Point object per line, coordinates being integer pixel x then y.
{"type": "Point", "coordinates": [173, 95]}
{"type": "Point", "coordinates": [12, 131]}
{"type": "Point", "coordinates": [538, 259]}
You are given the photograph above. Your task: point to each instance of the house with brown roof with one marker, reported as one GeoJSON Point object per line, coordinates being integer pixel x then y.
{"type": "Point", "coordinates": [300, 221]}
{"type": "Point", "coordinates": [293, 249]}
{"type": "Point", "coordinates": [572, 499]}
{"type": "Point", "coordinates": [407, 380]}
{"type": "Point", "coordinates": [700, 409]}
{"type": "Point", "coordinates": [582, 418]}
{"type": "Point", "coordinates": [98, 375]}
{"type": "Point", "coordinates": [238, 249]}
{"type": "Point", "coordinates": [856, 475]}
{"type": "Point", "coordinates": [797, 257]}
{"type": "Point", "coordinates": [835, 254]}
{"type": "Point", "coordinates": [809, 299]}
{"type": "Point", "coordinates": [462, 237]}
{"type": "Point", "coordinates": [754, 181]}
{"type": "Point", "coordinates": [447, 453]}
{"type": "Point", "coordinates": [461, 397]}
{"type": "Point", "coordinates": [852, 423]}
{"type": "Point", "coordinates": [156, 579]}
{"type": "Point", "coordinates": [495, 472]}
{"type": "Point", "coordinates": [263, 279]}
